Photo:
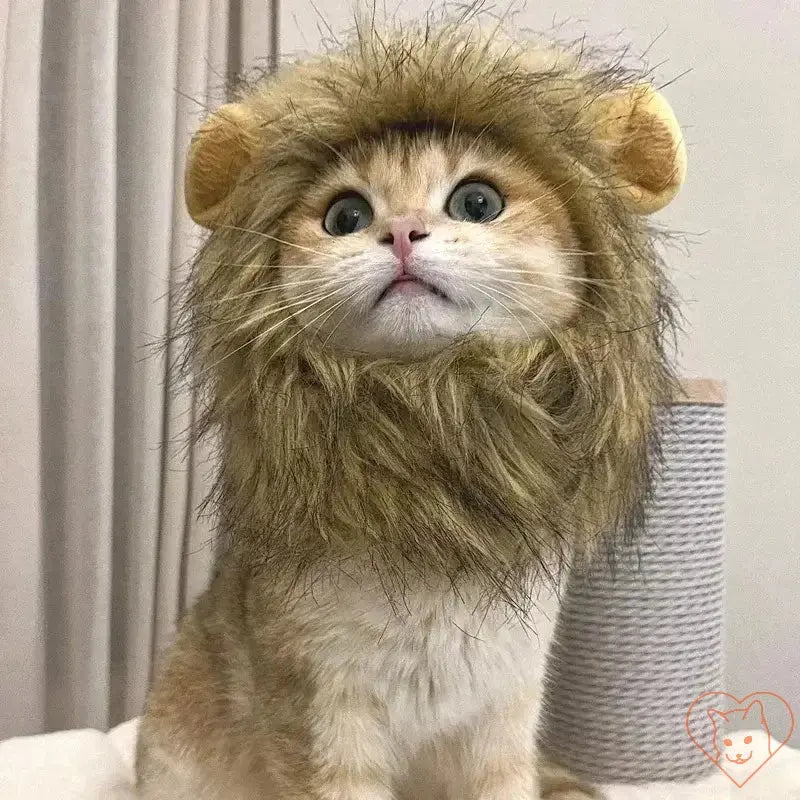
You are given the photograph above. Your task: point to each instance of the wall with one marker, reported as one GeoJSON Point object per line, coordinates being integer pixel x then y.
{"type": "Point", "coordinates": [740, 280]}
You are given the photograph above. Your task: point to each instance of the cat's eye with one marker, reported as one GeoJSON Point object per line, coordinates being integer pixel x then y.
{"type": "Point", "coordinates": [748, 739]}
{"type": "Point", "coordinates": [475, 201]}
{"type": "Point", "coordinates": [348, 214]}
{"type": "Point", "coordinates": [727, 742]}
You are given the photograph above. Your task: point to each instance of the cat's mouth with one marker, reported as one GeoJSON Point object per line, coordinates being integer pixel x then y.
{"type": "Point", "coordinates": [410, 284]}
{"type": "Point", "coordinates": [739, 759]}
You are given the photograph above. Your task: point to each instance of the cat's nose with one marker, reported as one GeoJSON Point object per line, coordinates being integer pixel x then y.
{"type": "Point", "coordinates": [401, 233]}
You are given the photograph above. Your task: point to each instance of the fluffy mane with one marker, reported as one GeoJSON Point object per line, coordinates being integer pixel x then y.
{"type": "Point", "coordinates": [480, 463]}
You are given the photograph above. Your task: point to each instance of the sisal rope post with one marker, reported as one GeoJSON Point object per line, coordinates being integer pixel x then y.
{"type": "Point", "coordinates": [637, 644]}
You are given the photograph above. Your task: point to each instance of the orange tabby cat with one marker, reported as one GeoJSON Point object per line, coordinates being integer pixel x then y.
{"type": "Point", "coordinates": [425, 329]}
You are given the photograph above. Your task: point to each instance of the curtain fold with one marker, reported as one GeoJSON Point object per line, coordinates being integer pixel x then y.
{"type": "Point", "coordinates": [22, 662]}
{"type": "Point", "coordinates": [77, 269]}
{"type": "Point", "coordinates": [99, 538]}
{"type": "Point", "coordinates": [147, 66]}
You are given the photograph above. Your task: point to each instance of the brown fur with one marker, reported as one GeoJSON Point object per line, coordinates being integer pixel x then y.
{"type": "Point", "coordinates": [582, 404]}
{"type": "Point", "coordinates": [481, 464]}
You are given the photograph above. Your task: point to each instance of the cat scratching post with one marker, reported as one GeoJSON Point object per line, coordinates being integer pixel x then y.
{"type": "Point", "coordinates": [635, 647]}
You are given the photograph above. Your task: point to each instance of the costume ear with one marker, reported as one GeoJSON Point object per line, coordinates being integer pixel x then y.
{"type": "Point", "coordinates": [648, 151]}
{"type": "Point", "coordinates": [219, 151]}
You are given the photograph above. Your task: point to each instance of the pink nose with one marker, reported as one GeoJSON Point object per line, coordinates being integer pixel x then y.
{"type": "Point", "coordinates": [403, 231]}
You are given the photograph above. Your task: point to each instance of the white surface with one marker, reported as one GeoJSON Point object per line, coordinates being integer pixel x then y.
{"type": "Point", "coordinates": [778, 779]}
{"type": "Point", "coordinates": [90, 765]}
{"type": "Point", "coordinates": [69, 765]}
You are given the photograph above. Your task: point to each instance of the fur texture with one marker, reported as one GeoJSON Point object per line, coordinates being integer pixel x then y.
{"type": "Point", "coordinates": [397, 526]}
{"type": "Point", "coordinates": [506, 450]}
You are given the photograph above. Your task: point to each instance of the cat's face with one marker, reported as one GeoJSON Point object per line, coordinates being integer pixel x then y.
{"type": "Point", "coordinates": [735, 747]}
{"type": "Point", "coordinates": [738, 747]}
{"type": "Point", "coordinates": [407, 243]}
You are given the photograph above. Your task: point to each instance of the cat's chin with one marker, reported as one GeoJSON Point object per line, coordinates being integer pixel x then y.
{"type": "Point", "coordinates": [377, 345]}
{"type": "Point", "coordinates": [391, 331]}
{"type": "Point", "coordinates": [397, 330]}
{"type": "Point", "coordinates": [413, 347]}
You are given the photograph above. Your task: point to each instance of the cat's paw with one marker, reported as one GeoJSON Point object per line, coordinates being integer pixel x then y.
{"type": "Point", "coordinates": [557, 783]}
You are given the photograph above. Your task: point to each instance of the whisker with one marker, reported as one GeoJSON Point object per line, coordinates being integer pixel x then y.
{"type": "Point", "coordinates": [526, 271]}
{"type": "Point", "coordinates": [582, 252]}
{"type": "Point", "coordinates": [481, 132]}
{"type": "Point", "coordinates": [306, 281]}
{"type": "Point", "coordinates": [590, 282]}
{"type": "Point", "coordinates": [350, 296]}
{"type": "Point", "coordinates": [344, 317]}
{"type": "Point", "coordinates": [229, 298]}
{"type": "Point", "coordinates": [531, 285]}
{"type": "Point", "coordinates": [565, 201]}
{"type": "Point", "coordinates": [255, 267]}
{"type": "Point", "coordinates": [552, 190]}
{"type": "Point", "coordinates": [260, 335]}
{"type": "Point", "coordinates": [577, 279]}
{"type": "Point", "coordinates": [276, 239]}
{"type": "Point", "coordinates": [272, 288]}
{"type": "Point", "coordinates": [307, 325]}
{"type": "Point", "coordinates": [302, 310]}
{"type": "Point", "coordinates": [262, 311]}
{"type": "Point", "coordinates": [495, 300]}
{"type": "Point", "coordinates": [259, 314]}
{"type": "Point", "coordinates": [530, 311]}
{"type": "Point", "coordinates": [484, 273]}
{"type": "Point", "coordinates": [569, 295]}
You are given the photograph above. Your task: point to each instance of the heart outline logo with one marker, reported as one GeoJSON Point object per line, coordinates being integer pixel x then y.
{"type": "Point", "coordinates": [739, 705]}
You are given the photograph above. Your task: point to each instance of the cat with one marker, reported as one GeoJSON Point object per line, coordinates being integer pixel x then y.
{"type": "Point", "coordinates": [738, 753]}
{"type": "Point", "coordinates": [424, 328]}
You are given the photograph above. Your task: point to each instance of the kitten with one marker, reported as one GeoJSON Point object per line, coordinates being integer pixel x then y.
{"type": "Point", "coordinates": [426, 340]}
{"type": "Point", "coordinates": [737, 753]}
{"type": "Point", "coordinates": [431, 694]}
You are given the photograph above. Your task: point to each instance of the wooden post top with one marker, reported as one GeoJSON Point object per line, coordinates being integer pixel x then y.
{"type": "Point", "coordinates": [701, 391]}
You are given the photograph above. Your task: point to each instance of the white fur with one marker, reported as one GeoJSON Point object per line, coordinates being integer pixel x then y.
{"type": "Point", "coordinates": [426, 698]}
{"type": "Point", "coordinates": [481, 285]}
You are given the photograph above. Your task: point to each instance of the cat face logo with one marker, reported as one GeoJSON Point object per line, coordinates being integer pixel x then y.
{"type": "Point", "coordinates": [732, 745]}
{"type": "Point", "coordinates": [740, 753]}
{"type": "Point", "coordinates": [738, 748]}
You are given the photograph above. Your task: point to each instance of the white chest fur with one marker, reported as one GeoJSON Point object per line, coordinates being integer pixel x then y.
{"type": "Point", "coordinates": [432, 664]}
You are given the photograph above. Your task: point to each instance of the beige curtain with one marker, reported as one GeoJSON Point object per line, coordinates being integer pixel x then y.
{"type": "Point", "coordinates": [100, 548]}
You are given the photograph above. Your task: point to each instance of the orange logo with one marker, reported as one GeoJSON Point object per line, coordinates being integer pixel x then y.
{"type": "Point", "coordinates": [739, 736]}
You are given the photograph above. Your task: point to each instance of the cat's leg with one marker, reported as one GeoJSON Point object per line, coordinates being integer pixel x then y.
{"type": "Point", "coordinates": [500, 763]}
{"type": "Point", "coordinates": [498, 755]}
{"type": "Point", "coordinates": [499, 752]}
{"type": "Point", "coordinates": [351, 752]}
{"type": "Point", "coordinates": [557, 783]}
{"type": "Point", "coordinates": [162, 776]}
{"type": "Point", "coordinates": [435, 772]}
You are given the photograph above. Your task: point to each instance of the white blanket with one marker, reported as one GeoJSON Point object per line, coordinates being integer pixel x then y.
{"type": "Point", "coordinates": [69, 765]}
{"type": "Point", "coordinates": [90, 765]}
